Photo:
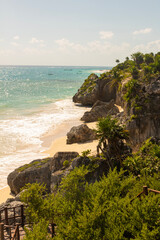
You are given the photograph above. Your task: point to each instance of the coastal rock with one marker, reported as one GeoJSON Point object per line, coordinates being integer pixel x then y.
{"type": "Point", "coordinates": [79, 161]}
{"type": "Point", "coordinates": [39, 171]}
{"type": "Point", "coordinates": [94, 89]}
{"type": "Point", "coordinates": [100, 109]}
{"type": "Point", "coordinates": [95, 174]}
{"type": "Point", "coordinates": [88, 93]}
{"type": "Point", "coordinates": [56, 178]}
{"type": "Point", "coordinates": [144, 116]}
{"type": "Point", "coordinates": [36, 171]}
{"type": "Point", "coordinates": [80, 134]}
{"type": "Point", "coordinates": [57, 162]}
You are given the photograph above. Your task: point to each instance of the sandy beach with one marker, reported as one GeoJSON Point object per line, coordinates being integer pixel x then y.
{"type": "Point", "coordinates": [4, 194]}
{"type": "Point", "coordinates": [56, 142]}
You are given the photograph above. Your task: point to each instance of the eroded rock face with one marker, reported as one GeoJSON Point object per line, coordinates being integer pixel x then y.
{"type": "Point", "coordinates": [145, 122]}
{"type": "Point", "coordinates": [36, 171]}
{"type": "Point", "coordinates": [80, 134]}
{"type": "Point", "coordinates": [100, 109]}
{"type": "Point", "coordinates": [92, 176]}
{"type": "Point", "coordinates": [94, 89]}
{"type": "Point", "coordinates": [88, 93]}
{"type": "Point", "coordinates": [57, 162]}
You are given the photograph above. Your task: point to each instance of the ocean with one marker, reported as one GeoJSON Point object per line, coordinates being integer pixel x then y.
{"type": "Point", "coordinates": [34, 100]}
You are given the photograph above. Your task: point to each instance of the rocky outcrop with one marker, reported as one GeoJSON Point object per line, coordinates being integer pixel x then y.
{"type": "Point", "coordinates": [57, 162]}
{"type": "Point", "coordinates": [100, 109]}
{"type": "Point", "coordinates": [94, 89]}
{"type": "Point", "coordinates": [80, 134]}
{"type": "Point", "coordinates": [143, 118]}
{"type": "Point", "coordinates": [88, 93]}
{"type": "Point", "coordinates": [100, 168]}
{"type": "Point", "coordinates": [39, 171]}
{"type": "Point", "coordinates": [58, 168]}
{"type": "Point", "coordinates": [36, 171]}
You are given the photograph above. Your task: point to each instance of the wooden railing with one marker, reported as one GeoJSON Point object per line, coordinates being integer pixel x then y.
{"type": "Point", "coordinates": [145, 192]}
{"type": "Point", "coordinates": [12, 226]}
{"type": "Point", "coordinates": [4, 218]}
{"type": "Point", "coordinates": [11, 234]}
{"type": "Point", "coordinates": [11, 229]}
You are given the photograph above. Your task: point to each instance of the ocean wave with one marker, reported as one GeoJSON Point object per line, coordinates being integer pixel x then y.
{"type": "Point", "coordinates": [20, 137]}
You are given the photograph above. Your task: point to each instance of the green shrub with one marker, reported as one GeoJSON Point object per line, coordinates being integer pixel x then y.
{"type": "Point", "coordinates": [145, 161]}
{"type": "Point", "coordinates": [66, 163]}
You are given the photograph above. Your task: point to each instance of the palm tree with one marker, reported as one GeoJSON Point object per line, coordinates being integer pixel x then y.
{"type": "Point", "coordinates": [108, 130]}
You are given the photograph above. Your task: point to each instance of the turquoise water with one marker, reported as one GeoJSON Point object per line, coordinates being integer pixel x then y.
{"type": "Point", "coordinates": [33, 101]}
{"type": "Point", "coordinates": [26, 88]}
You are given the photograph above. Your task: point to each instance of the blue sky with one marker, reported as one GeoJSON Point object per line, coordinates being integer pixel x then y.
{"type": "Point", "coordinates": [77, 32]}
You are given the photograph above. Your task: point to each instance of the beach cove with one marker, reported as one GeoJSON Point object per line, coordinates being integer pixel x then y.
{"type": "Point", "coordinates": [33, 124]}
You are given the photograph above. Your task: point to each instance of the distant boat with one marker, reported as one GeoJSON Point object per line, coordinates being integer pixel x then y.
{"type": "Point", "coordinates": [50, 73]}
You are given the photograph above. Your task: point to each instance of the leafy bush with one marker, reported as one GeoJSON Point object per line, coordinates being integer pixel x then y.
{"type": "Point", "coordinates": [146, 160]}
{"type": "Point", "coordinates": [39, 232]}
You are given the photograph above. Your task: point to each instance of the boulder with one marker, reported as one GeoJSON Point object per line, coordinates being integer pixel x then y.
{"type": "Point", "coordinates": [100, 168]}
{"type": "Point", "coordinates": [88, 92]}
{"type": "Point", "coordinates": [58, 170]}
{"type": "Point", "coordinates": [80, 134]}
{"type": "Point", "coordinates": [36, 171]}
{"type": "Point", "coordinates": [100, 109]}
{"type": "Point", "coordinates": [94, 89]}
{"type": "Point", "coordinates": [39, 171]}
{"type": "Point", "coordinates": [57, 162]}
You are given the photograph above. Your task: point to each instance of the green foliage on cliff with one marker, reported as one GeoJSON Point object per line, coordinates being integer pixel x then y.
{"type": "Point", "coordinates": [36, 163]}
{"type": "Point", "coordinates": [88, 84]}
{"type": "Point", "coordinates": [102, 210]}
{"type": "Point", "coordinates": [133, 74]}
{"type": "Point", "coordinates": [145, 161]}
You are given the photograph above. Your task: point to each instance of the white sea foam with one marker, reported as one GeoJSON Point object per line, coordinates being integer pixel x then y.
{"type": "Point", "coordinates": [20, 137]}
{"type": "Point", "coordinates": [101, 71]}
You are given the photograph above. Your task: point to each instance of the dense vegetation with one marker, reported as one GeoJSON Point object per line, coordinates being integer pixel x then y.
{"type": "Point", "coordinates": [131, 76]}
{"type": "Point", "coordinates": [108, 209]}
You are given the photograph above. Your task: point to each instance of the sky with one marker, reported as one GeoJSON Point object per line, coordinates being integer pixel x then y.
{"type": "Point", "coordinates": [77, 32]}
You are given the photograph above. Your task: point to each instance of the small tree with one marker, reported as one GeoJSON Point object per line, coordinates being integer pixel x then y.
{"type": "Point", "coordinates": [108, 130]}
{"type": "Point", "coordinates": [117, 61]}
{"type": "Point", "coordinates": [138, 58]}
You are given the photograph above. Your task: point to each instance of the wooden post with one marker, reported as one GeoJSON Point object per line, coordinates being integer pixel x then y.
{"type": "Point", "coordinates": [17, 233]}
{"type": "Point", "coordinates": [22, 215]}
{"type": "Point", "coordinates": [1, 231]}
{"type": "Point", "coordinates": [6, 216]}
{"type": "Point", "coordinates": [53, 229]}
{"type": "Point", "coordinates": [98, 151]}
{"type": "Point", "coordinates": [14, 215]}
{"type": "Point", "coordinates": [145, 190]}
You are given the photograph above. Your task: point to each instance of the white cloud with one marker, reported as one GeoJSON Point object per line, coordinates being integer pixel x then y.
{"type": "Point", "coordinates": [106, 34]}
{"type": "Point", "coordinates": [35, 40]}
{"type": "Point", "coordinates": [14, 44]}
{"type": "Point", "coordinates": [16, 37]}
{"type": "Point", "coordinates": [7, 53]}
{"type": "Point", "coordinates": [142, 31]}
{"type": "Point", "coordinates": [99, 47]}
{"type": "Point", "coordinates": [34, 51]}
{"type": "Point", "coordinates": [152, 46]}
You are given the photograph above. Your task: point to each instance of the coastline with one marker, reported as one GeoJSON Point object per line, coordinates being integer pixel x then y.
{"type": "Point", "coordinates": [55, 141]}
{"type": "Point", "coordinates": [59, 145]}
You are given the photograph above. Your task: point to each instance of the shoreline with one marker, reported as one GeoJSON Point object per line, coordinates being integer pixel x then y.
{"type": "Point", "coordinates": [55, 141]}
